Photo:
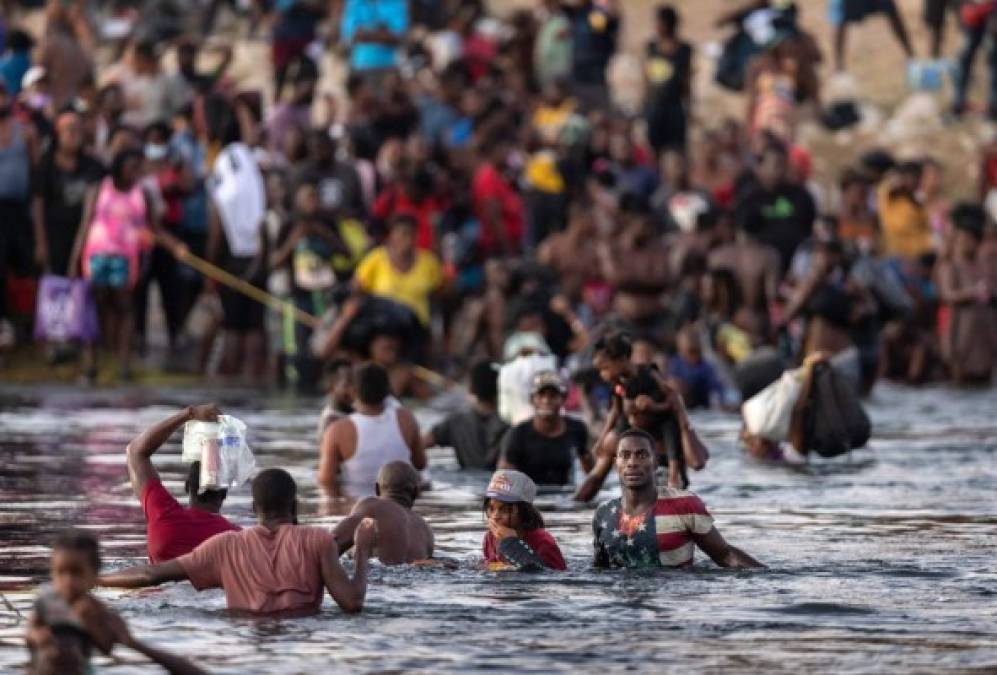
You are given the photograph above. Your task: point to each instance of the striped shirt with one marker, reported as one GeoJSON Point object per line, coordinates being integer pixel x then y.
{"type": "Point", "coordinates": [662, 536]}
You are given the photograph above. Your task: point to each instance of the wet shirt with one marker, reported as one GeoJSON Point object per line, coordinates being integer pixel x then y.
{"type": "Point", "coordinates": [547, 460]}
{"type": "Point", "coordinates": [173, 530]}
{"type": "Point", "coordinates": [662, 536]}
{"type": "Point", "coordinates": [539, 542]}
{"type": "Point", "coordinates": [263, 571]}
{"type": "Point", "coordinates": [475, 438]}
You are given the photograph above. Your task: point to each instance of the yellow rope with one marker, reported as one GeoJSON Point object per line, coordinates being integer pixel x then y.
{"type": "Point", "coordinates": [301, 316]}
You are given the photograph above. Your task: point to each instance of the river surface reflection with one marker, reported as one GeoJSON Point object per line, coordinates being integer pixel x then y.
{"type": "Point", "coordinates": [881, 562]}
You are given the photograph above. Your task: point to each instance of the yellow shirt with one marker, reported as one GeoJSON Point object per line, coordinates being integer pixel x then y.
{"type": "Point", "coordinates": [377, 276]}
{"type": "Point", "coordinates": [906, 230]}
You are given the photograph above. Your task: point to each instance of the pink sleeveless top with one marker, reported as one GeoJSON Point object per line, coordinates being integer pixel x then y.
{"type": "Point", "coordinates": [120, 227]}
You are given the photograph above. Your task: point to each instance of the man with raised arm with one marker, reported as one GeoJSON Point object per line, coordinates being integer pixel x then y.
{"type": "Point", "coordinates": [277, 566]}
{"type": "Point", "coordinates": [171, 529]}
{"type": "Point", "coordinates": [655, 527]}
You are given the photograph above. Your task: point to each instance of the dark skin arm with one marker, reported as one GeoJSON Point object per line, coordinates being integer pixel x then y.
{"type": "Point", "coordinates": [604, 463]}
{"type": "Point", "coordinates": [348, 312]}
{"type": "Point", "coordinates": [107, 628]}
{"type": "Point", "coordinates": [330, 456]}
{"type": "Point", "coordinates": [695, 452]}
{"type": "Point", "coordinates": [41, 235]}
{"type": "Point", "coordinates": [349, 593]}
{"type": "Point", "coordinates": [141, 449]}
{"type": "Point", "coordinates": [797, 422]}
{"type": "Point", "coordinates": [142, 576]}
{"type": "Point", "coordinates": [82, 233]}
{"type": "Point", "coordinates": [410, 432]}
{"type": "Point", "coordinates": [714, 545]}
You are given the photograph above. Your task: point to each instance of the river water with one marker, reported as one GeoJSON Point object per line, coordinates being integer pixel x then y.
{"type": "Point", "coordinates": [879, 562]}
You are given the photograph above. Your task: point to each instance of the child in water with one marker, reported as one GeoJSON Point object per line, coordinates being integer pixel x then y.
{"type": "Point", "coordinates": [68, 621]}
{"type": "Point", "coordinates": [516, 538]}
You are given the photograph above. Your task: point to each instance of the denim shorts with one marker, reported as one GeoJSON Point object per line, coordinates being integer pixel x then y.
{"type": "Point", "coordinates": [109, 271]}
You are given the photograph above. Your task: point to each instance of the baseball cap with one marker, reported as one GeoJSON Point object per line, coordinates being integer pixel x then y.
{"type": "Point", "coordinates": [547, 379]}
{"type": "Point", "coordinates": [511, 486]}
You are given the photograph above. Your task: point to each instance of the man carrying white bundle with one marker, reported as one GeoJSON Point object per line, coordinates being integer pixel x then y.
{"type": "Point", "coordinates": [171, 529]}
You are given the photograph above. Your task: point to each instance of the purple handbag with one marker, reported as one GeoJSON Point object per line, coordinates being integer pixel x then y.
{"type": "Point", "coordinates": [65, 311]}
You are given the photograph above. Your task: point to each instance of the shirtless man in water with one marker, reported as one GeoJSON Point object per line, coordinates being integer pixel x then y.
{"type": "Point", "coordinates": [404, 536]}
{"type": "Point", "coordinates": [755, 266]}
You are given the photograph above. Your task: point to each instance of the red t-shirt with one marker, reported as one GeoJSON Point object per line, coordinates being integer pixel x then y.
{"type": "Point", "coordinates": [489, 184]}
{"type": "Point", "coordinates": [173, 530]}
{"type": "Point", "coordinates": [542, 543]}
{"type": "Point", "coordinates": [395, 202]}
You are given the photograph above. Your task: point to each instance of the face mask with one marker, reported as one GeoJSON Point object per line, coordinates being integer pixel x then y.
{"type": "Point", "coordinates": [155, 152]}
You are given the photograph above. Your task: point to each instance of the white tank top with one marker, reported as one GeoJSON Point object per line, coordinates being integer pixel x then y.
{"type": "Point", "coordinates": [379, 441]}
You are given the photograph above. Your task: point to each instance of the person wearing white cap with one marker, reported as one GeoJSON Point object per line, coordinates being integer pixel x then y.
{"type": "Point", "coordinates": [544, 446]}
{"type": "Point", "coordinates": [516, 538]}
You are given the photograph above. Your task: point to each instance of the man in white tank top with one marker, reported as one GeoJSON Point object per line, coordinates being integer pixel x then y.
{"type": "Point", "coordinates": [355, 448]}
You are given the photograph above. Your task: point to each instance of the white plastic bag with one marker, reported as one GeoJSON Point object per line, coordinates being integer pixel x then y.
{"type": "Point", "coordinates": [226, 460]}
{"type": "Point", "coordinates": [769, 412]}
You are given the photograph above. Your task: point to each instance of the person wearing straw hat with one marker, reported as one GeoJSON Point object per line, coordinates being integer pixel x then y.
{"type": "Point", "coordinates": [516, 538]}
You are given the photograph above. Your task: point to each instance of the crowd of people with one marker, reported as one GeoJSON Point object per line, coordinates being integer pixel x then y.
{"type": "Point", "coordinates": [474, 184]}
{"type": "Point", "coordinates": [475, 203]}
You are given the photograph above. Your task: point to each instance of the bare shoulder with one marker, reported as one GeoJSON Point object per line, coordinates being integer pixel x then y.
{"type": "Point", "coordinates": [367, 507]}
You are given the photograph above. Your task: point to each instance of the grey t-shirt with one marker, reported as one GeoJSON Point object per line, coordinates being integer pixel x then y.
{"type": "Point", "coordinates": [474, 437]}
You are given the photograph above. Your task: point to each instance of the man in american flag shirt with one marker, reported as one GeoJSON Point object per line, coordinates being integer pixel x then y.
{"type": "Point", "coordinates": [651, 528]}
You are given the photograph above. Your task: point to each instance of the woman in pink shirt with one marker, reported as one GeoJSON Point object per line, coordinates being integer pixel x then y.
{"type": "Point", "coordinates": [118, 231]}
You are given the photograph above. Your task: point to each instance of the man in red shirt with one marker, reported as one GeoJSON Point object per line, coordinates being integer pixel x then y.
{"type": "Point", "coordinates": [497, 204]}
{"type": "Point", "coordinates": [277, 566]}
{"type": "Point", "coordinates": [171, 529]}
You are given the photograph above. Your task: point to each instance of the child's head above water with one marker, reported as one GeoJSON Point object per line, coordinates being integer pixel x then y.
{"type": "Point", "coordinates": [75, 564]}
{"type": "Point", "coordinates": [509, 501]}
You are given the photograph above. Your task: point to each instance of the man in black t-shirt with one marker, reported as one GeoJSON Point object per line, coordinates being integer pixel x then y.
{"type": "Point", "coordinates": [544, 446]}
{"type": "Point", "coordinates": [783, 211]}
{"type": "Point", "coordinates": [668, 73]}
{"type": "Point", "coordinates": [339, 190]}
{"type": "Point", "coordinates": [61, 181]}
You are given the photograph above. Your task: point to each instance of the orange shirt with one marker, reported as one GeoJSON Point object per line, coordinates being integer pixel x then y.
{"type": "Point", "coordinates": [261, 570]}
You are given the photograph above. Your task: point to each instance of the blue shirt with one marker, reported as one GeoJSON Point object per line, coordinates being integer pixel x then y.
{"type": "Point", "coordinates": [13, 66]}
{"type": "Point", "coordinates": [361, 15]}
{"type": "Point", "coordinates": [700, 380]}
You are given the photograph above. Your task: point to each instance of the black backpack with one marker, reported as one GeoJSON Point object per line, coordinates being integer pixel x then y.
{"type": "Point", "coordinates": [835, 421]}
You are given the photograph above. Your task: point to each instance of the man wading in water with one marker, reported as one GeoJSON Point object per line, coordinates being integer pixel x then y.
{"type": "Point", "coordinates": [171, 529]}
{"type": "Point", "coordinates": [651, 528]}
{"type": "Point", "coordinates": [277, 566]}
{"type": "Point", "coordinates": [405, 537]}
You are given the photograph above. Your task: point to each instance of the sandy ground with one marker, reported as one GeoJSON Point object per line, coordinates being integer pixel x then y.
{"type": "Point", "coordinates": [909, 125]}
